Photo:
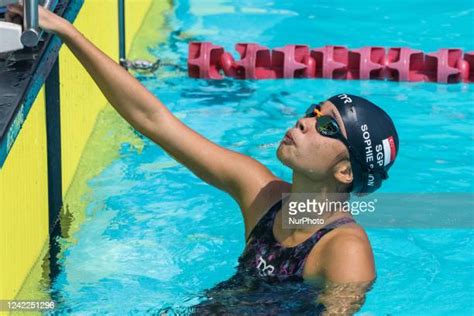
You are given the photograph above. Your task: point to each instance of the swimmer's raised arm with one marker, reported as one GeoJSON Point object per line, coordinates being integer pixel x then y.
{"type": "Point", "coordinates": [237, 174]}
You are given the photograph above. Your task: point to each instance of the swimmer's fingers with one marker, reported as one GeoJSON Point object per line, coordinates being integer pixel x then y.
{"type": "Point", "coordinates": [48, 21]}
{"type": "Point", "coordinates": [12, 16]}
{"type": "Point", "coordinates": [15, 9]}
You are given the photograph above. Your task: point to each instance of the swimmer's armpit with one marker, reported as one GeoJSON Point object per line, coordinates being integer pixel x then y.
{"type": "Point", "coordinates": [343, 298]}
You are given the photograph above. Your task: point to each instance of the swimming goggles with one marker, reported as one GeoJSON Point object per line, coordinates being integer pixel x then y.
{"type": "Point", "coordinates": [327, 126]}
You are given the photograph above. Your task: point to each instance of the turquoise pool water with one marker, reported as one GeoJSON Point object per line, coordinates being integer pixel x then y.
{"type": "Point", "coordinates": [155, 236]}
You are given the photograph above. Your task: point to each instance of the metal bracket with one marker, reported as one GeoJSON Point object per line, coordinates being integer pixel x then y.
{"type": "Point", "coordinates": [140, 65]}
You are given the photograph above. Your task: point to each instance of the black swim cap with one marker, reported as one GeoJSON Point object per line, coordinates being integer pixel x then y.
{"type": "Point", "coordinates": [372, 134]}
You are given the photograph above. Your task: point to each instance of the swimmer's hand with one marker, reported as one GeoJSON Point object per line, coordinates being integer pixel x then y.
{"type": "Point", "coordinates": [48, 21]}
{"type": "Point", "coordinates": [243, 177]}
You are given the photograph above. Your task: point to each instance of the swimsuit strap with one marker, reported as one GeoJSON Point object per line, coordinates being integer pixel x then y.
{"type": "Point", "coordinates": [326, 229]}
{"type": "Point", "coordinates": [266, 221]}
{"type": "Point", "coordinates": [301, 251]}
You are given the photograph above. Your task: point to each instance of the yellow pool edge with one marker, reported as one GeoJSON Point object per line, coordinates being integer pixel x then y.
{"type": "Point", "coordinates": [92, 134]}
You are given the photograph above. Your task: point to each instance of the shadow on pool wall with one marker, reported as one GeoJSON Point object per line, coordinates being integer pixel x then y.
{"type": "Point", "coordinates": [91, 136]}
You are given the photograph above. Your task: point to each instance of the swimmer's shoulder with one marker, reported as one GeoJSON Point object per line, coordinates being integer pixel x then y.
{"type": "Point", "coordinates": [343, 255]}
{"type": "Point", "coordinates": [268, 196]}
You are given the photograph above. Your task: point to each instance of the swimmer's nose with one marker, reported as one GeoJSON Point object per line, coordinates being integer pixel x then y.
{"type": "Point", "coordinates": [302, 125]}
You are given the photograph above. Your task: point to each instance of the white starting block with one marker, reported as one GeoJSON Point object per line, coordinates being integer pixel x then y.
{"type": "Point", "coordinates": [14, 37]}
{"type": "Point", "coordinates": [10, 37]}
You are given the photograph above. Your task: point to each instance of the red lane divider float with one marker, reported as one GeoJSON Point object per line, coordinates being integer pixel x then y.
{"type": "Point", "coordinates": [209, 61]}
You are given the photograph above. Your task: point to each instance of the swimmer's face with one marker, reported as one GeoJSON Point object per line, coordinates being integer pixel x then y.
{"type": "Point", "coordinates": [318, 157]}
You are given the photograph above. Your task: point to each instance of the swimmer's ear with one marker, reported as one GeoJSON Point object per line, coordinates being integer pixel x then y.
{"type": "Point", "coordinates": [343, 172]}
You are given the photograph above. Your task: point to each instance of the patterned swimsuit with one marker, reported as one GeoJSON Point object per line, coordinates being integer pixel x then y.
{"type": "Point", "coordinates": [257, 287]}
{"type": "Point", "coordinates": [266, 258]}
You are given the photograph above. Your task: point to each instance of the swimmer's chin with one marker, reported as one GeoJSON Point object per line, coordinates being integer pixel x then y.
{"type": "Point", "coordinates": [283, 156]}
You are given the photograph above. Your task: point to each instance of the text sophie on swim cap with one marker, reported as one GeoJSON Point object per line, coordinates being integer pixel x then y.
{"type": "Point", "coordinates": [372, 134]}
